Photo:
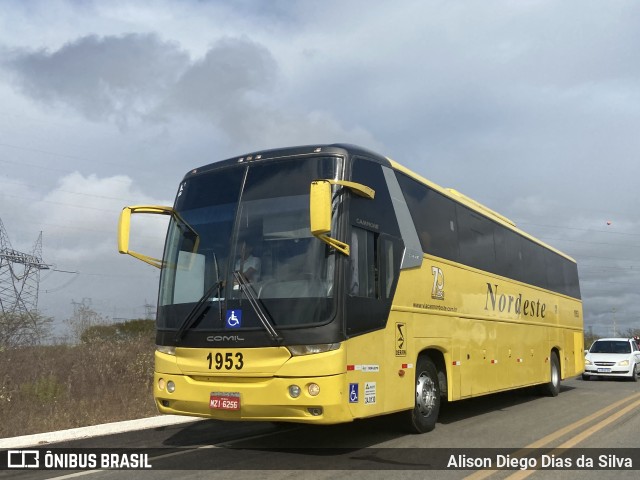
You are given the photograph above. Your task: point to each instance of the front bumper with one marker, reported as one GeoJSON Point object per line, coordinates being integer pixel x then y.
{"type": "Point", "coordinates": [613, 371]}
{"type": "Point", "coordinates": [261, 398]}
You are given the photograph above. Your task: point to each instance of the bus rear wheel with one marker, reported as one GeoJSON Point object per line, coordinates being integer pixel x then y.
{"type": "Point", "coordinates": [423, 417]}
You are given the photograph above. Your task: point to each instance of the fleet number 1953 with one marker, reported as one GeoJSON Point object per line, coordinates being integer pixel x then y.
{"type": "Point", "coordinates": [228, 361]}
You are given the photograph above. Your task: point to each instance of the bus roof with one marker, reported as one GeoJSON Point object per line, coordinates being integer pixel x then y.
{"type": "Point", "coordinates": [305, 150]}
{"type": "Point", "coordinates": [474, 205]}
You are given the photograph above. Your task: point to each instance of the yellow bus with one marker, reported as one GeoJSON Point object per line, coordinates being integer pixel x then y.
{"type": "Point", "coordinates": [323, 284]}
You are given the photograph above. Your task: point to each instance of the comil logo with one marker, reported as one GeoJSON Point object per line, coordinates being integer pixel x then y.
{"type": "Point", "coordinates": [437, 292]}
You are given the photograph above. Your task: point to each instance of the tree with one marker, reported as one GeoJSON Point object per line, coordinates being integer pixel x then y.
{"type": "Point", "coordinates": [84, 317]}
{"type": "Point", "coordinates": [631, 332]}
{"type": "Point", "coordinates": [19, 329]}
{"type": "Point", "coordinates": [119, 332]}
{"type": "Point", "coordinates": [589, 337]}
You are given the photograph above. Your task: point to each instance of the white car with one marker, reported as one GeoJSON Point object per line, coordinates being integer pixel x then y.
{"type": "Point", "coordinates": [612, 357]}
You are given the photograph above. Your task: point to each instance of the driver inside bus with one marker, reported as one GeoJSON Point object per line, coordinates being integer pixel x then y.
{"type": "Point", "coordinates": [246, 263]}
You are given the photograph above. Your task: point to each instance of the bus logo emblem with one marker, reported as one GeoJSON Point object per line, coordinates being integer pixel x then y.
{"type": "Point", "coordinates": [437, 292]}
{"type": "Point", "coordinates": [401, 348]}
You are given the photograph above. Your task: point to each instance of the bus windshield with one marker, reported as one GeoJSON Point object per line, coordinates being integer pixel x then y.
{"type": "Point", "coordinates": [252, 220]}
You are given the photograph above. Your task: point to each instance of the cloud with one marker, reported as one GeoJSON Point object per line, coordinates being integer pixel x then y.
{"type": "Point", "coordinates": [229, 87]}
{"type": "Point", "coordinates": [81, 216]}
{"type": "Point", "coordinates": [103, 78]}
{"type": "Point", "coordinates": [139, 77]}
{"type": "Point", "coordinates": [224, 81]}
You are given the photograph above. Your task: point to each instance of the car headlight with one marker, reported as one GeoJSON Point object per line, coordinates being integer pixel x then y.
{"type": "Point", "coordinates": [587, 361]}
{"type": "Point", "coordinates": [624, 363]}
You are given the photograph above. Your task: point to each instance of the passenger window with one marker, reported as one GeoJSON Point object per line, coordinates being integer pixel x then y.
{"type": "Point", "coordinates": [476, 239]}
{"type": "Point", "coordinates": [434, 216]}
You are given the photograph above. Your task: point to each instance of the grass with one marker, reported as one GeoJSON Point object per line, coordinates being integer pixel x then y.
{"type": "Point", "coordinates": [49, 388]}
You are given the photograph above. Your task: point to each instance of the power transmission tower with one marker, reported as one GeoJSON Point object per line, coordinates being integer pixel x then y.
{"type": "Point", "coordinates": [19, 276]}
{"type": "Point", "coordinates": [149, 309]}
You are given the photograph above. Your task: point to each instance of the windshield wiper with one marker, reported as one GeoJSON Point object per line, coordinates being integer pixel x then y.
{"type": "Point", "coordinates": [193, 315]}
{"type": "Point", "coordinates": [219, 283]}
{"type": "Point", "coordinates": [256, 304]}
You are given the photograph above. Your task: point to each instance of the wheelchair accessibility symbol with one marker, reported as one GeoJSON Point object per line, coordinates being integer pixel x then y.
{"type": "Point", "coordinates": [353, 393]}
{"type": "Point", "coordinates": [234, 319]}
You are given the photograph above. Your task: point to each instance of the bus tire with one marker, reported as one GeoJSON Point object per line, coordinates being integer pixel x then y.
{"type": "Point", "coordinates": [423, 417]}
{"type": "Point", "coordinates": [552, 389]}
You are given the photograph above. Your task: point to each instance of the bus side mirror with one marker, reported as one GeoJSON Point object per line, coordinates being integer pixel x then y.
{"type": "Point", "coordinates": [124, 230]}
{"type": "Point", "coordinates": [320, 204]}
{"type": "Point", "coordinates": [320, 207]}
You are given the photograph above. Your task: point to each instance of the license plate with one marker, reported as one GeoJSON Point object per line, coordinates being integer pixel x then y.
{"type": "Point", "coordinates": [224, 401]}
{"type": "Point", "coordinates": [604, 370]}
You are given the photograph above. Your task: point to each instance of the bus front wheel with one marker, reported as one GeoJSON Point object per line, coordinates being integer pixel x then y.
{"type": "Point", "coordinates": [423, 417]}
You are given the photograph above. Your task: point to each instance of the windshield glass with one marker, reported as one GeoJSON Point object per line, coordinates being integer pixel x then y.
{"type": "Point", "coordinates": [610, 346]}
{"type": "Point", "coordinates": [260, 231]}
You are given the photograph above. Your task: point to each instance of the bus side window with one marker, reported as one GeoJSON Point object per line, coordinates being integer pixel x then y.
{"type": "Point", "coordinates": [363, 264]}
{"type": "Point", "coordinates": [374, 264]}
{"type": "Point", "coordinates": [389, 259]}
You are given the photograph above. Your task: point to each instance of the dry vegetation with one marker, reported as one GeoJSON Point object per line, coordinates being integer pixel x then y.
{"type": "Point", "coordinates": [105, 378]}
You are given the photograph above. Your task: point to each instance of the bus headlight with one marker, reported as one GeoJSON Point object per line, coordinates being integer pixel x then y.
{"type": "Point", "coordinates": [166, 349]}
{"type": "Point", "coordinates": [171, 387]}
{"type": "Point", "coordinates": [299, 350]}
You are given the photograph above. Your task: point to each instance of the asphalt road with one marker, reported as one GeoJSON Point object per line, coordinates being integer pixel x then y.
{"type": "Point", "coordinates": [519, 427]}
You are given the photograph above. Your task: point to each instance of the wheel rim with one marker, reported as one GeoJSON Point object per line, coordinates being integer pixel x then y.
{"type": "Point", "coordinates": [426, 394]}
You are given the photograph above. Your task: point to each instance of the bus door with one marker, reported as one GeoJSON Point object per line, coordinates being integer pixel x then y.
{"type": "Point", "coordinates": [370, 281]}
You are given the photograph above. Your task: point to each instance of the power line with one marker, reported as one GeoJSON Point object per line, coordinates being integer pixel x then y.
{"type": "Point", "coordinates": [54, 154]}
{"type": "Point", "coordinates": [39, 150]}
{"type": "Point", "coordinates": [92, 195]}
{"type": "Point", "coordinates": [59, 203]}
{"type": "Point", "coordinates": [591, 230]}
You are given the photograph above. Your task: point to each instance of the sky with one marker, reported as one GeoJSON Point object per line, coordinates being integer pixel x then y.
{"type": "Point", "coordinates": [531, 107]}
